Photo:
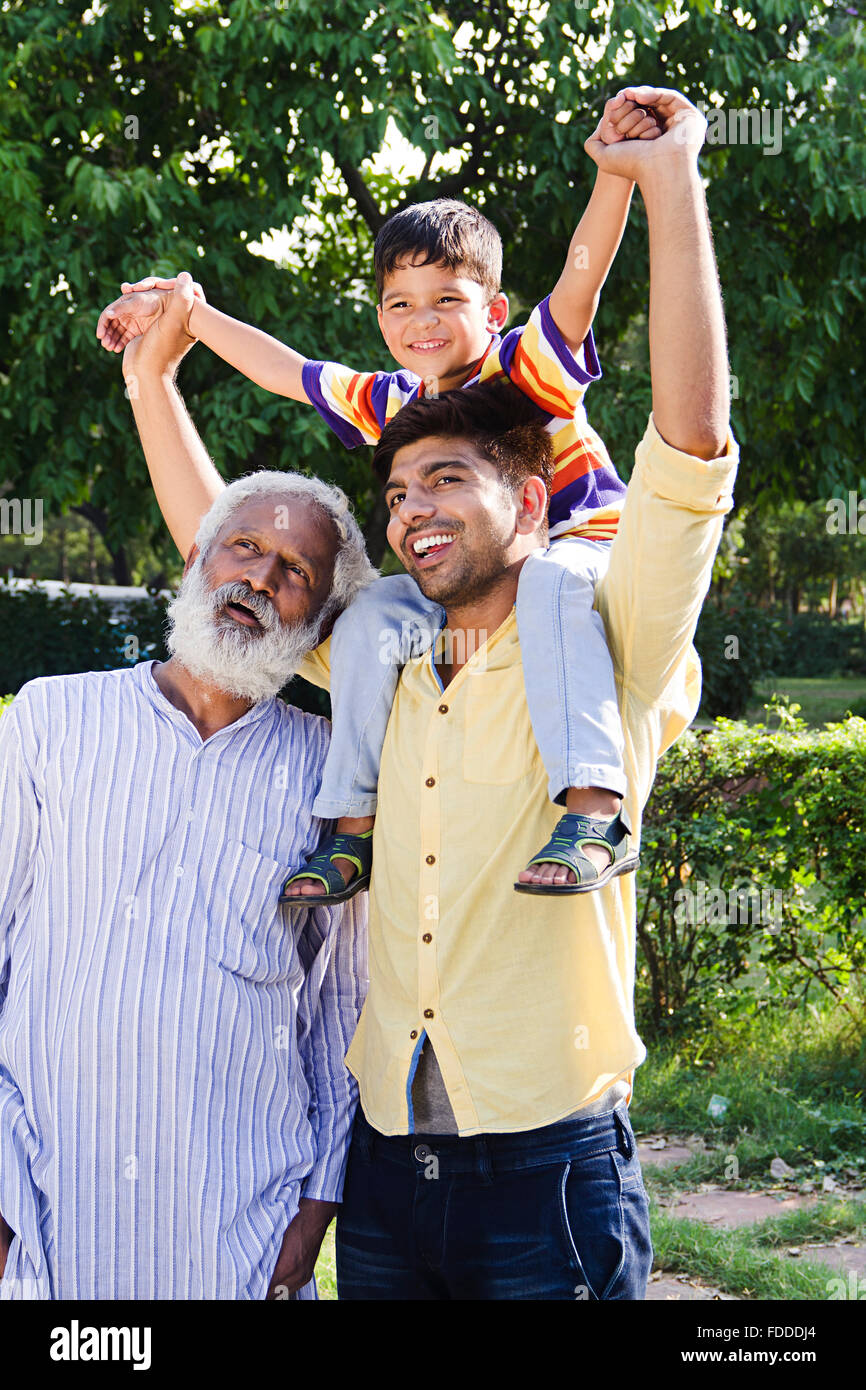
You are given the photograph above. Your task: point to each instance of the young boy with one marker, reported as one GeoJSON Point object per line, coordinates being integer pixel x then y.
{"type": "Point", "coordinates": [440, 311]}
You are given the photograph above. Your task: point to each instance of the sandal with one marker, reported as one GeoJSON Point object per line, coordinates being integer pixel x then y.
{"type": "Point", "coordinates": [564, 847]}
{"type": "Point", "coordinates": [357, 848]}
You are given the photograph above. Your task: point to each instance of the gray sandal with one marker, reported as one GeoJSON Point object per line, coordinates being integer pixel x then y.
{"type": "Point", "coordinates": [565, 847]}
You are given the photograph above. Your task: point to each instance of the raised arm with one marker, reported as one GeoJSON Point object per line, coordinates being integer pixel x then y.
{"type": "Point", "coordinates": [266, 361]}
{"type": "Point", "coordinates": [184, 479]}
{"type": "Point", "coordinates": [688, 354]}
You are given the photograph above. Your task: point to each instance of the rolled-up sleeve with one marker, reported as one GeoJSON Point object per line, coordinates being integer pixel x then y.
{"type": "Point", "coordinates": [335, 988]}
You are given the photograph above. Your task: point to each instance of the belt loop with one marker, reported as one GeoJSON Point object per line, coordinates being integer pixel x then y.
{"type": "Point", "coordinates": [482, 1158]}
{"type": "Point", "coordinates": [625, 1139]}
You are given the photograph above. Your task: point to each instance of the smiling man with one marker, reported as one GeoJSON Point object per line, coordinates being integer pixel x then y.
{"type": "Point", "coordinates": [492, 1155]}
{"type": "Point", "coordinates": [174, 1107]}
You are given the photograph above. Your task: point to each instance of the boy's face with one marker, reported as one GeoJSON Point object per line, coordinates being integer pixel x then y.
{"type": "Point", "coordinates": [436, 323]}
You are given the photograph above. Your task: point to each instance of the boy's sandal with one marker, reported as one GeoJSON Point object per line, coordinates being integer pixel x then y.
{"type": "Point", "coordinates": [356, 848]}
{"type": "Point", "coordinates": [565, 847]}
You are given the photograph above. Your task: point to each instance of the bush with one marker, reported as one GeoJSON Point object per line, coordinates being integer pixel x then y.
{"type": "Point", "coordinates": [738, 646]}
{"type": "Point", "coordinates": [751, 879]}
{"type": "Point", "coordinates": [42, 636]}
{"type": "Point", "coordinates": [812, 644]}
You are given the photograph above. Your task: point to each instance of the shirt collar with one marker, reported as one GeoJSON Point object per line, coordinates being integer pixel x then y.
{"type": "Point", "coordinates": [144, 679]}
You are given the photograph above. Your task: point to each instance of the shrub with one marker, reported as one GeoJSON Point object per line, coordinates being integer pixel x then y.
{"type": "Point", "coordinates": [751, 879]}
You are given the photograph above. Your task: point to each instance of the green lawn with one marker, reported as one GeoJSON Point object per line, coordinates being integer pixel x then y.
{"type": "Point", "coordinates": [822, 701]}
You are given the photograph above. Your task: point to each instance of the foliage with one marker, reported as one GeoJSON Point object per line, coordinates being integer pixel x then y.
{"type": "Point", "coordinates": [751, 881]}
{"type": "Point", "coordinates": [73, 633]}
{"type": "Point", "coordinates": [178, 136]}
{"type": "Point", "coordinates": [738, 646]}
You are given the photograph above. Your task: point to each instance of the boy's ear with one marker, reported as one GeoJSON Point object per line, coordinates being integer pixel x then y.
{"type": "Point", "coordinates": [497, 313]}
{"type": "Point", "coordinates": [380, 316]}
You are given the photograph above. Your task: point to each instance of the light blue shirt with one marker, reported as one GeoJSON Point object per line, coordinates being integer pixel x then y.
{"type": "Point", "coordinates": [171, 1039]}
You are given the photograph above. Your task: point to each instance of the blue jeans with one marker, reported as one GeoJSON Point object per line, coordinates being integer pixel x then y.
{"type": "Point", "coordinates": [568, 672]}
{"type": "Point", "coordinates": [554, 1213]}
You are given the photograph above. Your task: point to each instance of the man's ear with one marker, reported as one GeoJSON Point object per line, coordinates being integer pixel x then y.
{"type": "Point", "coordinates": [532, 502]}
{"type": "Point", "coordinates": [190, 559]}
{"type": "Point", "coordinates": [497, 313]}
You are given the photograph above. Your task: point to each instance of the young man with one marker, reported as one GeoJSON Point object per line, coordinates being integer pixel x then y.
{"type": "Point", "coordinates": [496, 1049]}
{"type": "Point", "coordinates": [438, 268]}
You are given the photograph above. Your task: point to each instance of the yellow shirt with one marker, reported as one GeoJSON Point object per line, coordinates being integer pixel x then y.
{"type": "Point", "coordinates": [527, 1000]}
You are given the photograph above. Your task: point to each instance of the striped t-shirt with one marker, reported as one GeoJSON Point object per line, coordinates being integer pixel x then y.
{"type": "Point", "coordinates": [587, 493]}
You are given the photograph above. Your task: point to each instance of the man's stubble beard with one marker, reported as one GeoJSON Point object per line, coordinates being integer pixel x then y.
{"type": "Point", "coordinates": [479, 572]}
{"type": "Point", "coordinates": [244, 663]}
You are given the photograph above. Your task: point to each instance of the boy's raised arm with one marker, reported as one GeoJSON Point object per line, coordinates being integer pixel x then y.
{"type": "Point", "coordinates": [185, 481]}
{"type": "Point", "coordinates": [269, 363]}
{"type": "Point", "coordinates": [574, 300]}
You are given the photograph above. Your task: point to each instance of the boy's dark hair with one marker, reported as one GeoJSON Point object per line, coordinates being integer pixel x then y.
{"type": "Point", "coordinates": [442, 232]}
{"type": "Point", "coordinates": [497, 419]}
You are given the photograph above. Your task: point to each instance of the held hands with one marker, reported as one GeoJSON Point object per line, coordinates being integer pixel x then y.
{"type": "Point", "coordinates": [166, 338]}
{"type": "Point", "coordinates": [644, 129]}
{"type": "Point", "coordinates": [139, 306]}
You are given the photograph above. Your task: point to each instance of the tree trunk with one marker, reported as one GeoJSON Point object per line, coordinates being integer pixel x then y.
{"type": "Point", "coordinates": [119, 562]}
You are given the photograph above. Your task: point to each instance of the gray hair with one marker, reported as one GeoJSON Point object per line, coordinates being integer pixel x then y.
{"type": "Point", "coordinates": [352, 568]}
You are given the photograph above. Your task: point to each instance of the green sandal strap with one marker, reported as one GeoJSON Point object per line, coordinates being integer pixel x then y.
{"type": "Point", "coordinates": [571, 833]}
{"type": "Point", "coordinates": [358, 849]}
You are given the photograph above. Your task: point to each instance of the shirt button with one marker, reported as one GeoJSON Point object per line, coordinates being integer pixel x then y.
{"type": "Point", "coordinates": [179, 871]}
{"type": "Point", "coordinates": [428, 1013]}
{"type": "Point", "coordinates": [443, 709]}
{"type": "Point", "coordinates": [431, 858]}
{"type": "Point", "coordinates": [190, 815]}
{"type": "Point", "coordinates": [427, 936]}
{"type": "Point", "coordinates": [422, 1153]}
{"type": "Point", "coordinates": [431, 782]}
{"type": "Point", "coordinates": [414, 1033]}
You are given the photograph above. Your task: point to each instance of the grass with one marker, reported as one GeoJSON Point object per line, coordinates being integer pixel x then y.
{"type": "Point", "coordinates": [742, 1260]}
{"type": "Point", "coordinates": [822, 701]}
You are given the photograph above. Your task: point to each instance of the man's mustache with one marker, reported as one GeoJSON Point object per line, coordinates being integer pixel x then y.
{"type": "Point", "coordinates": [238, 592]}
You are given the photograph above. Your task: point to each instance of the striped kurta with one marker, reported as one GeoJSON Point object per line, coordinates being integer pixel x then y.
{"type": "Point", "coordinates": [171, 1039]}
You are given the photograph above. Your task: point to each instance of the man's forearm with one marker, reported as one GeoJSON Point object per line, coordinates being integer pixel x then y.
{"type": "Point", "coordinates": [591, 254]}
{"type": "Point", "coordinates": [184, 479]}
{"type": "Point", "coordinates": [688, 353]}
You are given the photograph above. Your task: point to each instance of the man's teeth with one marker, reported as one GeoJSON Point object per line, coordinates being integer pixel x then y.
{"type": "Point", "coordinates": [428, 542]}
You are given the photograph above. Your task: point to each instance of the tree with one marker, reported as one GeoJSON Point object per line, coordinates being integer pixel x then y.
{"type": "Point", "coordinates": [178, 136]}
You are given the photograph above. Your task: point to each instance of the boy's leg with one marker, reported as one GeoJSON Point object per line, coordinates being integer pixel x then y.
{"type": "Point", "coordinates": [570, 687]}
{"type": "Point", "coordinates": [389, 622]}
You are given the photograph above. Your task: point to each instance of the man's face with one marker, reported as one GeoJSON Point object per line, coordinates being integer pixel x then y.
{"type": "Point", "coordinates": [436, 322]}
{"type": "Point", "coordinates": [246, 615]}
{"type": "Point", "coordinates": [453, 522]}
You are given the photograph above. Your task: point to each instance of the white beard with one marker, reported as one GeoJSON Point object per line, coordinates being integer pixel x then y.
{"type": "Point", "coordinates": [245, 663]}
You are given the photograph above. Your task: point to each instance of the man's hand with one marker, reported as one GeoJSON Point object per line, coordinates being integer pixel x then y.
{"type": "Point", "coordinates": [628, 140]}
{"type": "Point", "coordinates": [300, 1248]}
{"type": "Point", "coordinates": [7, 1235]}
{"type": "Point", "coordinates": [139, 306]}
{"type": "Point", "coordinates": [167, 340]}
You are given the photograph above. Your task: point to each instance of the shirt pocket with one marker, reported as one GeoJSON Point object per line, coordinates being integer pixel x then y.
{"type": "Point", "coordinates": [499, 746]}
{"type": "Point", "coordinates": [249, 933]}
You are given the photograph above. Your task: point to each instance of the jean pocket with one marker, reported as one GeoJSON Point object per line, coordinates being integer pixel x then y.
{"type": "Point", "coordinates": [248, 932]}
{"type": "Point", "coordinates": [605, 1220]}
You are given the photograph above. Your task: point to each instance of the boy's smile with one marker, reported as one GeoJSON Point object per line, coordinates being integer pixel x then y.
{"type": "Point", "coordinates": [435, 321]}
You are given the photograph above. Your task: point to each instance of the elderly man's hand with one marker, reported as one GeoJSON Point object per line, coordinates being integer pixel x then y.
{"type": "Point", "coordinates": [161, 349]}
{"type": "Point", "coordinates": [7, 1235]}
{"type": "Point", "coordinates": [627, 142]}
{"type": "Point", "coordinates": [300, 1247]}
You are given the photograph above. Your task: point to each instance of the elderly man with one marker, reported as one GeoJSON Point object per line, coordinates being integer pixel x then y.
{"type": "Point", "coordinates": [174, 1107]}
{"type": "Point", "coordinates": [492, 1156]}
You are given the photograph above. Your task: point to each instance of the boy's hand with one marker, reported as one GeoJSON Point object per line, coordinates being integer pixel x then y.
{"type": "Point", "coordinates": [642, 125]}
{"type": "Point", "coordinates": [140, 306]}
{"type": "Point", "coordinates": [167, 339]}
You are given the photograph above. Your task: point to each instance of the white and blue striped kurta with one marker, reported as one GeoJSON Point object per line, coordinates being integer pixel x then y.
{"type": "Point", "coordinates": [171, 1039]}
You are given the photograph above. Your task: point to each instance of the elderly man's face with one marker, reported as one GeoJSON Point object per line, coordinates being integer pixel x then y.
{"type": "Point", "coordinates": [244, 617]}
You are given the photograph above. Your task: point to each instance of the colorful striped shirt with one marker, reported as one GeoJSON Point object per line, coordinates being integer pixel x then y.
{"type": "Point", "coordinates": [171, 1039]}
{"type": "Point", "coordinates": [587, 493]}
